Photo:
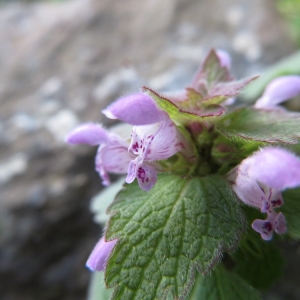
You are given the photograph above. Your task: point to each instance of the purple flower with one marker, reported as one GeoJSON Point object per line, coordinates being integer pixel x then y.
{"type": "Point", "coordinates": [278, 91]}
{"type": "Point", "coordinates": [154, 137]}
{"type": "Point", "coordinates": [136, 109]}
{"type": "Point", "coordinates": [112, 155]}
{"type": "Point", "coordinates": [99, 256]}
{"type": "Point", "coordinates": [224, 58]}
{"type": "Point", "coordinates": [259, 180]}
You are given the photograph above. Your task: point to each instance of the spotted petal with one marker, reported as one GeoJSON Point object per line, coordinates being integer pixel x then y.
{"type": "Point", "coordinates": [146, 176]}
{"type": "Point", "coordinates": [157, 141]}
{"type": "Point", "coordinates": [278, 91]}
{"type": "Point", "coordinates": [99, 256]}
{"type": "Point", "coordinates": [264, 227]}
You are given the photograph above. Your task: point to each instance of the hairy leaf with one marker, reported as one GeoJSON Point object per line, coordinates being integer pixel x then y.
{"type": "Point", "coordinates": [212, 71]}
{"type": "Point", "coordinates": [258, 262]}
{"type": "Point", "coordinates": [291, 211]}
{"type": "Point", "coordinates": [184, 115]}
{"type": "Point", "coordinates": [224, 90]}
{"type": "Point", "coordinates": [268, 126]}
{"type": "Point", "coordinates": [222, 285]}
{"type": "Point", "coordinates": [165, 235]}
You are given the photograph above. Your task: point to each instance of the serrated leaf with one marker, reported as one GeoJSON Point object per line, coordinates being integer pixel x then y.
{"type": "Point", "coordinates": [224, 90]}
{"type": "Point", "coordinates": [268, 126]}
{"type": "Point", "coordinates": [97, 289]}
{"type": "Point", "coordinates": [211, 71]}
{"type": "Point", "coordinates": [222, 285]}
{"type": "Point", "coordinates": [291, 211]}
{"type": "Point", "coordinates": [165, 235]}
{"type": "Point", "coordinates": [183, 115]}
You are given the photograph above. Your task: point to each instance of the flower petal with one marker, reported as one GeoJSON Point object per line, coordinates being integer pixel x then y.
{"type": "Point", "coordinates": [276, 168]}
{"type": "Point", "coordinates": [132, 169]}
{"type": "Point", "coordinates": [280, 224]}
{"type": "Point", "coordinates": [224, 57]}
{"type": "Point", "coordinates": [278, 91]}
{"type": "Point", "coordinates": [99, 256]}
{"type": "Point", "coordinates": [276, 199]}
{"type": "Point", "coordinates": [158, 141]}
{"type": "Point", "coordinates": [246, 187]}
{"type": "Point", "coordinates": [90, 134]}
{"type": "Point", "coordinates": [136, 109]}
{"type": "Point", "coordinates": [249, 191]}
{"type": "Point", "coordinates": [264, 227]}
{"type": "Point", "coordinates": [113, 158]}
{"type": "Point", "coordinates": [146, 176]}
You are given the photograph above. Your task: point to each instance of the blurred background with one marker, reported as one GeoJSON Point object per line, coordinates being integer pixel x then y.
{"type": "Point", "coordinates": [62, 62]}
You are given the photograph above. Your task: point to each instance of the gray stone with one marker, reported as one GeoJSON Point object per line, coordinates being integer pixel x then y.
{"type": "Point", "coordinates": [61, 64]}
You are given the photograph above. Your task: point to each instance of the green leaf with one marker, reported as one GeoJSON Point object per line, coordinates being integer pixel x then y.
{"type": "Point", "coordinates": [184, 115]}
{"type": "Point", "coordinates": [268, 126]}
{"type": "Point", "coordinates": [222, 285]}
{"type": "Point", "coordinates": [212, 70]}
{"type": "Point", "coordinates": [102, 200]}
{"type": "Point", "coordinates": [97, 289]}
{"type": "Point", "coordinates": [258, 262]}
{"type": "Point", "coordinates": [291, 211]}
{"type": "Point", "coordinates": [165, 235]}
{"type": "Point", "coordinates": [225, 90]}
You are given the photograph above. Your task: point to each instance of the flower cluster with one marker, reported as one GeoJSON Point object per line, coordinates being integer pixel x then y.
{"type": "Point", "coordinates": [175, 125]}
{"type": "Point", "coordinates": [154, 137]}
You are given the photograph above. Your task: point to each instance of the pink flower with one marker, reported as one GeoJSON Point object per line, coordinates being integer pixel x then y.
{"type": "Point", "coordinates": [259, 180]}
{"type": "Point", "coordinates": [154, 137]}
{"type": "Point", "coordinates": [136, 109]}
{"type": "Point", "coordinates": [112, 155]}
{"type": "Point", "coordinates": [99, 256]}
{"type": "Point", "coordinates": [279, 90]}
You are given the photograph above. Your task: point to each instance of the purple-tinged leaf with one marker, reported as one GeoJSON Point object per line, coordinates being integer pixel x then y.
{"type": "Point", "coordinates": [213, 70]}
{"type": "Point", "coordinates": [225, 90]}
{"type": "Point", "coordinates": [180, 113]}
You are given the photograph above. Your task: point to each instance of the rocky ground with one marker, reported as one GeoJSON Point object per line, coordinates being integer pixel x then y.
{"type": "Point", "coordinates": [61, 63]}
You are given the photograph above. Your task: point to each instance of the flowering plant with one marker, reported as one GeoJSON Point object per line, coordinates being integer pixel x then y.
{"type": "Point", "coordinates": [200, 173]}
